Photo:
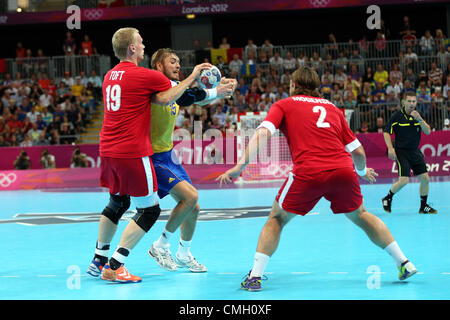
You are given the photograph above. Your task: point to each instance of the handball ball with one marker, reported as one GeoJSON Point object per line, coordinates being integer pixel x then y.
{"type": "Point", "coordinates": [209, 78]}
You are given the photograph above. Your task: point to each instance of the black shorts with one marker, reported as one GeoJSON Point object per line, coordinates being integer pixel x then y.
{"type": "Point", "coordinates": [408, 159]}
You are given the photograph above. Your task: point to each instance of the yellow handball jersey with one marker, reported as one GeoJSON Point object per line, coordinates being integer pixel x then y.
{"type": "Point", "coordinates": [163, 124]}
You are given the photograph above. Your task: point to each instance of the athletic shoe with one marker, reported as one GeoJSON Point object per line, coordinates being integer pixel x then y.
{"type": "Point", "coordinates": [95, 268]}
{"type": "Point", "coordinates": [426, 209]}
{"type": "Point", "coordinates": [386, 201]}
{"type": "Point", "coordinates": [121, 275]}
{"type": "Point", "coordinates": [190, 262]}
{"type": "Point", "coordinates": [251, 284]}
{"type": "Point", "coordinates": [163, 258]}
{"type": "Point", "coordinates": [406, 270]}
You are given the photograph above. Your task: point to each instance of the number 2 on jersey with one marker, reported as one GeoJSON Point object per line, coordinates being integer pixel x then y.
{"type": "Point", "coordinates": [113, 97]}
{"type": "Point", "coordinates": [321, 123]}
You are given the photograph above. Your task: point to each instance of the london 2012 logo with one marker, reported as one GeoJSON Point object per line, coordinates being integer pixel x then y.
{"type": "Point", "coordinates": [7, 179]}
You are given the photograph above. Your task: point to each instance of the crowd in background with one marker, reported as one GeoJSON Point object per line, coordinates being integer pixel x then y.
{"type": "Point", "coordinates": [37, 110]}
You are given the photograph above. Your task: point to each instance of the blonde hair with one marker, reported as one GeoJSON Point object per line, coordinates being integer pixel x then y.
{"type": "Point", "coordinates": [121, 40]}
{"type": "Point", "coordinates": [306, 81]}
{"type": "Point", "coordinates": [160, 55]}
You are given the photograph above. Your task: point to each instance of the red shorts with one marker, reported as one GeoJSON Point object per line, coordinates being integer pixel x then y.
{"type": "Point", "coordinates": [134, 177]}
{"type": "Point", "coordinates": [299, 194]}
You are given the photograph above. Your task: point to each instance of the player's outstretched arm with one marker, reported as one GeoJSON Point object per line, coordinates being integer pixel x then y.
{"type": "Point", "coordinates": [257, 142]}
{"type": "Point", "coordinates": [359, 160]}
{"type": "Point", "coordinates": [223, 91]}
{"type": "Point", "coordinates": [168, 96]}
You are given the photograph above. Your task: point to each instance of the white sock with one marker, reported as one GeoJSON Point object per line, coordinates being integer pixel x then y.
{"type": "Point", "coordinates": [184, 249]}
{"type": "Point", "coordinates": [259, 264]}
{"type": "Point", "coordinates": [163, 241]}
{"type": "Point", "coordinates": [102, 249]}
{"type": "Point", "coordinates": [394, 250]}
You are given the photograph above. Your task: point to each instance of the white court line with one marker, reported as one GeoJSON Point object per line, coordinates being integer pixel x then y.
{"type": "Point", "coordinates": [9, 276]}
{"type": "Point", "coordinates": [152, 274]}
{"type": "Point", "coordinates": [46, 275]}
{"type": "Point", "coordinates": [301, 272]}
{"type": "Point", "coordinates": [338, 272]}
{"type": "Point", "coordinates": [447, 273]}
{"type": "Point", "coordinates": [225, 273]}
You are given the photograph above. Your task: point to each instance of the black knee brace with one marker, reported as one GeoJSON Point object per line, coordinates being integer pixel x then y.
{"type": "Point", "coordinates": [116, 207]}
{"type": "Point", "coordinates": [146, 217]}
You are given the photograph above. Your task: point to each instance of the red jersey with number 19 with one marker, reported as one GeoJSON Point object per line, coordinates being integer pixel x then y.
{"type": "Point", "coordinates": [127, 90]}
{"type": "Point", "coordinates": [317, 133]}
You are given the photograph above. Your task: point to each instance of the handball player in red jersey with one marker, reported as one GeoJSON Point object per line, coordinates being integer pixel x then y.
{"type": "Point", "coordinates": [324, 152]}
{"type": "Point", "coordinates": [125, 150]}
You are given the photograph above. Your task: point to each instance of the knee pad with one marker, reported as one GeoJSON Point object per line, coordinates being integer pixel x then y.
{"type": "Point", "coordinates": [146, 217]}
{"type": "Point", "coordinates": [116, 207]}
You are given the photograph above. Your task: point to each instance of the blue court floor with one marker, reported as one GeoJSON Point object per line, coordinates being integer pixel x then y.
{"type": "Point", "coordinates": [47, 240]}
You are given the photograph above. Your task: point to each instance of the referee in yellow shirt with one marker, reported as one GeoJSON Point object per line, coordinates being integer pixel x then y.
{"type": "Point", "coordinates": [407, 125]}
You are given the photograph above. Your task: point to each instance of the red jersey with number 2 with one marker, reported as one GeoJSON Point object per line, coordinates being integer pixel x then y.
{"type": "Point", "coordinates": [317, 133]}
{"type": "Point", "coordinates": [127, 90]}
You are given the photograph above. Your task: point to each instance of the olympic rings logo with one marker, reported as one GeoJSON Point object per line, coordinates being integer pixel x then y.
{"type": "Point", "coordinates": [279, 170]}
{"type": "Point", "coordinates": [93, 14]}
{"type": "Point", "coordinates": [319, 3]}
{"type": "Point", "coordinates": [7, 179]}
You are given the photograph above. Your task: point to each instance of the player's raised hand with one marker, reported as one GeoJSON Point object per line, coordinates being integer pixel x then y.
{"type": "Point", "coordinates": [198, 68]}
{"type": "Point", "coordinates": [229, 175]}
{"type": "Point", "coordinates": [370, 175]}
{"type": "Point", "coordinates": [226, 88]}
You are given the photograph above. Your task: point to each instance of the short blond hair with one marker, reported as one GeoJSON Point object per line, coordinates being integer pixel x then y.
{"type": "Point", "coordinates": [160, 55]}
{"type": "Point", "coordinates": [121, 39]}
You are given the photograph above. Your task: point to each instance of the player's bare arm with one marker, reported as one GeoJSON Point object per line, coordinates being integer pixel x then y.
{"type": "Point", "coordinates": [257, 142]}
{"type": "Point", "coordinates": [359, 159]}
{"type": "Point", "coordinates": [167, 97]}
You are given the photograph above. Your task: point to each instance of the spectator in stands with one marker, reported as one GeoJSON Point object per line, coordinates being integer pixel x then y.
{"type": "Point", "coordinates": [407, 87]}
{"type": "Point", "coordinates": [41, 61]}
{"type": "Point", "coordinates": [301, 59]}
{"type": "Point", "coordinates": [411, 77]}
{"type": "Point", "coordinates": [87, 47]}
{"type": "Point", "coordinates": [42, 140]}
{"type": "Point", "coordinates": [242, 87]}
{"type": "Point", "coordinates": [45, 99]}
{"type": "Point", "coordinates": [409, 40]}
{"type": "Point", "coordinates": [235, 64]}
{"type": "Point", "coordinates": [411, 58]}
{"type": "Point", "coordinates": [3, 143]}
{"type": "Point", "coordinates": [46, 115]}
{"type": "Point", "coordinates": [316, 63]}
{"type": "Point", "coordinates": [219, 114]}
{"type": "Point", "coordinates": [68, 79]}
{"type": "Point", "coordinates": [352, 85]}
{"type": "Point", "coordinates": [341, 62]}
{"type": "Point", "coordinates": [379, 126]}
{"type": "Point", "coordinates": [379, 92]}
{"type": "Point", "coordinates": [332, 47]}
{"type": "Point", "coordinates": [267, 47]}
{"type": "Point", "coordinates": [276, 62]}
{"type": "Point", "coordinates": [20, 52]}
{"type": "Point", "coordinates": [32, 115]}
{"type": "Point", "coordinates": [69, 45]}
{"type": "Point", "coordinates": [395, 75]}
{"type": "Point", "coordinates": [406, 26]}
{"type": "Point", "coordinates": [77, 87]}
{"type": "Point", "coordinates": [355, 74]}
{"type": "Point", "coordinates": [41, 124]}
{"type": "Point", "coordinates": [47, 160]}
{"type": "Point", "coordinates": [435, 76]}
{"type": "Point", "coordinates": [27, 141]}
{"type": "Point", "coordinates": [439, 38]}
{"type": "Point", "coordinates": [444, 91]}
{"type": "Point", "coordinates": [422, 81]}
{"type": "Point", "coordinates": [392, 100]}
{"type": "Point", "coordinates": [340, 77]}
{"type": "Point", "coordinates": [22, 162]}
{"type": "Point", "coordinates": [224, 44]}
{"type": "Point", "coordinates": [427, 43]}
{"type": "Point", "coordinates": [381, 75]}
{"type": "Point", "coordinates": [281, 93]}
{"type": "Point", "coordinates": [326, 88]}
{"type": "Point", "coordinates": [250, 47]}
{"type": "Point", "coordinates": [380, 44]}
{"type": "Point", "coordinates": [289, 62]}
{"type": "Point", "coordinates": [424, 103]}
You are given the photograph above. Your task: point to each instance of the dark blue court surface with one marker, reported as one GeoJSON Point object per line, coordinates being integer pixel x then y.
{"type": "Point", "coordinates": [48, 240]}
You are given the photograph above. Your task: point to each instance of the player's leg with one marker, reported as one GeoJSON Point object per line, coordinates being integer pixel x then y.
{"type": "Point", "coordinates": [268, 241]}
{"type": "Point", "coordinates": [404, 168]}
{"type": "Point", "coordinates": [381, 236]}
{"type": "Point", "coordinates": [109, 220]}
{"type": "Point", "coordinates": [139, 176]}
{"type": "Point", "coordinates": [183, 258]}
